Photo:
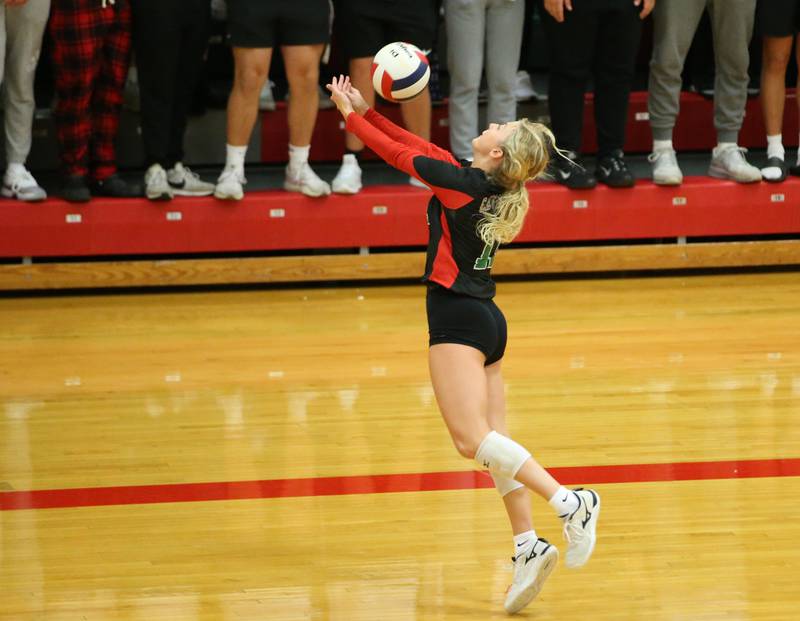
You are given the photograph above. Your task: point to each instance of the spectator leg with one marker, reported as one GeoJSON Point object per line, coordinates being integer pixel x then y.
{"type": "Point", "coordinates": [24, 29]}
{"type": "Point", "coordinates": [157, 43]}
{"type": "Point", "coordinates": [465, 24]}
{"type": "Point", "coordinates": [250, 74]}
{"type": "Point", "coordinates": [776, 54]}
{"type": "Point", "coordinates": [417, 114]}
{"type": "Point", "coordinates": [615, 64]}
{"type": "Point", "coordinates": [77, 33]}
{"type": "Point", "coordinates": [504, 24]}
{"type": "Point", "coordinates": [360, 77]}
{"type": "Point", "coordinates": [572, 46]}
{"type": "Point", "coordinates": [302, 72]}
{"type": "Point", "coordinates": [107, 96]}
{"type": "Point", "coordinates": [732, 25]}
{"type": "Point", "coordinates": [194, 42]}
{"type": "Point", "coordinates": [674, 25]}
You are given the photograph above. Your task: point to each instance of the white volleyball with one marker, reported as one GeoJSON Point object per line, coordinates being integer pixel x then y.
{"type": "Point", "coordinates": [400, 71]}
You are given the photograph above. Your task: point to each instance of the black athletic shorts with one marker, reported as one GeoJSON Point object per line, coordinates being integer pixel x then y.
{"type": "Point", "coordinates": [778, 18]}
{"type": "Point", "coordinates": [271, 23]}
{"type": "Point", "coordinates": [456, 318]}
{"type": "Point", "coordinates": [365, 26]}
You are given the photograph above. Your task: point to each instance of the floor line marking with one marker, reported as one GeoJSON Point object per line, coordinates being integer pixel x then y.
{"type": "Point", "coordinates": [384, 483]}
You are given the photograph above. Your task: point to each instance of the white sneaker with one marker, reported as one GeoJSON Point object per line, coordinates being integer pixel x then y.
{"type": "Point", "coordinates": [523, 87]}
{"type": "Point", "coordinates": [185, 182]}
{"type": "Point", "coordinates": [305, 181]}
{"type": "Point", "coordinates": [348, 179]}
{"type": "Point", "coordinates": [266, 101]}
{"type": "Point", "coordinates": [531, 569]}
{"type": "Point", "coordinates": [730, 163]}
{"type": "Point", "coordinates": [156, 187]}
{"type": "Point", "coordinates": [580, 528]}
{"type": "Point", "coordinates": [19, 183]}
{"type": "Point", "coordinates": [229, 185]}
{"type": "Point", "coordinates": [665, 167]}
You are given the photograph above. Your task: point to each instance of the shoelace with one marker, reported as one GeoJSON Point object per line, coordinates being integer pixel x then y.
{"type": "Point", "coordinates": [572, 532]}
{"type": "Point", "coordinates": [656, 155]}
{"type": "Point", "coordinates": [188, 172]}
{"type": "Point", "coordinates": [616, 164]}
{"type": "Point", "coordinates": [737, 152]}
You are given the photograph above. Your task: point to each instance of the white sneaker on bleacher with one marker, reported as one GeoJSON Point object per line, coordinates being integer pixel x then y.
{"type": "Point", "coordinates": [19, 183]}
{"type": "Point", "coordinates": [156, 187]}
{"type": "Point", "coordinates": [580, 528]}
{"type": "Point", "coordinates": [186, 182]}
{"type": "Point", "coordinates": [348, 179]}
{"type": "Point", "coordinates": [305, 181]}
{"type": "Point", "coordinates": [665, 167]}
{"type": "Point", "coordinates": [229, 185]}
{"type": "Point", "coordinates": [729, 163]}
{"type": "Point", "coordinates": [531, 569]}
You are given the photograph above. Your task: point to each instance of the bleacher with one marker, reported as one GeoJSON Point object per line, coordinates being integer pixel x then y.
{"type": "Point", "coordinates": [273, 236]}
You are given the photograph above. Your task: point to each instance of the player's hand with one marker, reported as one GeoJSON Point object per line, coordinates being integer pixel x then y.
{"type": "Point", "coordinates": [647, 7]}
{"type": "Point", "coordinates": [339, 95]}
{"type": "Point", "coordinates": [556, 8]}
{"type": "Point", "coordinates": [15, 2]}
{"type": "Point", "coordinates": [360, 104]}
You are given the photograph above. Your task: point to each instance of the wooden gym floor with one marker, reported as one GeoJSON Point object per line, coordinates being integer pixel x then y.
{"type": "Point", "coordinates": [278, 454]}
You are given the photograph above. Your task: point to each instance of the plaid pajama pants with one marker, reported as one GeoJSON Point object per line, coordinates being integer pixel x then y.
{"type": "Point", "coordinates": [91, 54]}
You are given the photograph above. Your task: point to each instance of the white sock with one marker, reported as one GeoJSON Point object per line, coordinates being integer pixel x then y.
{"type": "Point", "coordinates": [524, 541]}
{"type": "Point", "coordinates": [564, 501]}
{"type": "Point", "coordinates": [234, 156]}
{"type": "Point", "coordinates": [298, 156]}
{"type": "Point", "coordinates": [662, 145]}
{"type": "Point", "coordinates": [775, 146]}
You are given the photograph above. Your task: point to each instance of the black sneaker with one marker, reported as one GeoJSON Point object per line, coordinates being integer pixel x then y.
{"type": "Point", "coordinates": [75, 190]}
{"type": "Point", "coordinates": [613, 171]}
{"type": "Point", "coordinates": [115, 187]}
{"type": "Point", "coordinates": [568, 170]}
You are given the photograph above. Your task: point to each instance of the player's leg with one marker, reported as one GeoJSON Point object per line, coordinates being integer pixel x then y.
{"type": "Point", "coordinates": [302, 71]}
{"type": "Point", "coordinates": [776, 52]}
{"type": "Point", "coordinates": [528, 576]}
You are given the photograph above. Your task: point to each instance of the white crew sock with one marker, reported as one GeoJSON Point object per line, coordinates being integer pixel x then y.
{"type": "Point", "coordinates": [15, 167]}
{"type": "Point", "coordinates": [298, 156]}
{"type": "Point", "coordinates": [775, 146]}
{"type": "Point", "coordinates": [234, 156]}
{"type": "Point", "coordinates": [774, 149]}
{"type": "Point", "coordinates": [565, 502]}
{"type": "Point", "coordinates": [662, 145]}
{"type": "Point", "coordinates": [524, 541]}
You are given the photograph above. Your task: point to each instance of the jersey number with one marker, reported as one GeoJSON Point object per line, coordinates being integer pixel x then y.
{"type": "Point", "coordinates": [485, 261]}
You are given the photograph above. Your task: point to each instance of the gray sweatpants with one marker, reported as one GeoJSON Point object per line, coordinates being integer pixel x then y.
{"type": "Point", "coordinates": [475, 26]}
{"type": "Point", "coordinates": [21, 30]}
{"type": "Point", "coordinates": [675, 22]}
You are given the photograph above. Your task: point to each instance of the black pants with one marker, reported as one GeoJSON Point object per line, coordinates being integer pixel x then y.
{"type": "Point", "coordinates": [598, 39]}
{"type": "Point", "coordinates": [169, 39]}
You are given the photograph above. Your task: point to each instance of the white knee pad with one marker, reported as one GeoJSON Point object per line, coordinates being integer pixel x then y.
{"type": "Point", "coordinates": [505, 486]}
{"type": "Point", "coordinates": [501, 455]}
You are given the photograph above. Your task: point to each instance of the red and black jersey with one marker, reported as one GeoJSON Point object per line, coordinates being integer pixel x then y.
{"type": "Point", "coordinates": [458, 259]}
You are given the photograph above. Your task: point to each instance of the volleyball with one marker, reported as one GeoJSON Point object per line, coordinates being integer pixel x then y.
{"type": "Point", "coordinates": [400, 71]}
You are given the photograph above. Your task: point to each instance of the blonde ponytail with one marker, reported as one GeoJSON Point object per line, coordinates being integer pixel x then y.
{"type": "Point", "coordinates": [526, 154]}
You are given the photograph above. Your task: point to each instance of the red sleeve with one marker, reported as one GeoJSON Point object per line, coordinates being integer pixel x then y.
{"type": "Point", "coordinates": [447, 180]}
{"type": "Point", "coordinates": [388, 149]}
{"type": "Point", "coordinates": [412, 140]}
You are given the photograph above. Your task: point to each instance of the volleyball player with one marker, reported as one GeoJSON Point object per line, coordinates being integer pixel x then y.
{"type": "Point", "coordinates": [474, 208]}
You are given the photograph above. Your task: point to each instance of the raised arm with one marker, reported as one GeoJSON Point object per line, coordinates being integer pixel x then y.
{"type": "Point", "coordinates": [401, 135]}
